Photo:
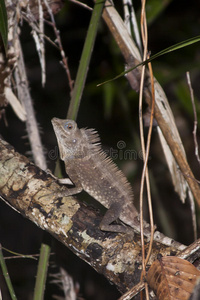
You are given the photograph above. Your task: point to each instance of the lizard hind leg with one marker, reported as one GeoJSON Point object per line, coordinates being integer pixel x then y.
{"type": "Point", "coordinates": [112, 215]}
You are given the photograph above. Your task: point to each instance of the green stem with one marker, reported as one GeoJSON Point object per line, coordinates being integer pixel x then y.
{"type": "Point", "coordinates": [42, 272]}
{"type": "Point", "coordinates": [85, 60]}
{"type": "Point", "coordinates": [6, 275]}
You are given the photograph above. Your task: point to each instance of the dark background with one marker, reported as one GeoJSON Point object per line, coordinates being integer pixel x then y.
{"type": "Point", "coordinates": [113, 110]}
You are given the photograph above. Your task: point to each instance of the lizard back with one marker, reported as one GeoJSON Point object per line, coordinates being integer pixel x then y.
{"type": "Point", "coordinates": [105, 172]}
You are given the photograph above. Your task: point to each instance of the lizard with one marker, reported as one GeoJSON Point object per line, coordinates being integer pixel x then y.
{"type": "Point", "coordinates": [90, 169]}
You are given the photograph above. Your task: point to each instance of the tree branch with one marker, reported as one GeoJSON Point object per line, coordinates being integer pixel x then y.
{"type": "Point", "coordinates": [163, 113]}
{"type": "Point", "coordinates": [29, 190]}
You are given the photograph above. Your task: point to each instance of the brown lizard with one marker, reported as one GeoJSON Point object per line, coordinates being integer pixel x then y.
{"type": "Point", "coordinates": [91, 170]}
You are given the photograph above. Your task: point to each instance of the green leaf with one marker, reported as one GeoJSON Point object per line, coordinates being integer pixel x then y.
{"type": "Point", "coordinates": [3, 24]}
{"type": "Point", "coordinates": [6, 275]}
{"type": "Point", "coordinates": [162, 52]}
{"type": "Point", "coordinates": [85, 60]}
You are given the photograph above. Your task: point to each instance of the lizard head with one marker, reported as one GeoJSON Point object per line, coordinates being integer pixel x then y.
{"type": "Point", "coordinates": [69, 138]}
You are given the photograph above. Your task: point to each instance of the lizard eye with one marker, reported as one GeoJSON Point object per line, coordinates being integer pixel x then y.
{"type": "Point", "coordinates": [68, 126]}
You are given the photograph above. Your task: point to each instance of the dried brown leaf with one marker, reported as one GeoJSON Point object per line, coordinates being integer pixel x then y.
{"type": "Point", "coordinates": [172, 278]}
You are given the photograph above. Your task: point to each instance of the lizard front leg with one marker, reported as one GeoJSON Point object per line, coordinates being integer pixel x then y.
{"type": "Point", "coordinates": [77, 185]}
{"type": "Point", "coordinates": [60, 180]}
{"type": "Point", "coordinates": [112, 215]}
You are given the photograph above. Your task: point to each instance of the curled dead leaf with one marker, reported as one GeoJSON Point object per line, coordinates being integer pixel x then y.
{"type": "Point", "coordinates": [172, 278]}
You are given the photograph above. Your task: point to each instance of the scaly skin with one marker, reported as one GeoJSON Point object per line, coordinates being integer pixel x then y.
{"type": "Point", "coordinates": [91, 170]}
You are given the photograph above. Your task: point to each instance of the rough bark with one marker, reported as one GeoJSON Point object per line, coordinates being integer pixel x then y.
{"type": "Point", "coordinates": [29, 190]}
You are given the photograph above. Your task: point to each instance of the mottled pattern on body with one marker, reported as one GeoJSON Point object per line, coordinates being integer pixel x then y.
{"type": "Point", "coordinates": [90, 169]}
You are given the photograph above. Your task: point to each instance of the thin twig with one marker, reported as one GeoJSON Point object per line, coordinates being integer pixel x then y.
{"type": "Point", "coordinates": [145, 173]}
{"type": "Point", "coordinates": [58, 40]}
{"type": "Point", "coordinates": [191, 199]}
{"type": "Point", "coordinates": [38, 36]}
{"type": "Point", "coordinates": [42, 45]}
{"type": "Point", "coordinates": [6, 275]}
{"type": "Point", "coordinates": [145, 43]}
{"type": "Point", "coordinates": [195, 117]}
{"type": "Point", "coordinates": [34, 26]}
{"type": "Point", "coordinates": [131, 22]}
{"type": "Point", "coordinates": [146, 158]}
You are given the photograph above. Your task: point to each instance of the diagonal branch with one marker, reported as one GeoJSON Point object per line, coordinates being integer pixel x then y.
{"type": "Point", "coordinates": [29, 191]}
{"type": "Point", "coordinates": [163, 113]}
